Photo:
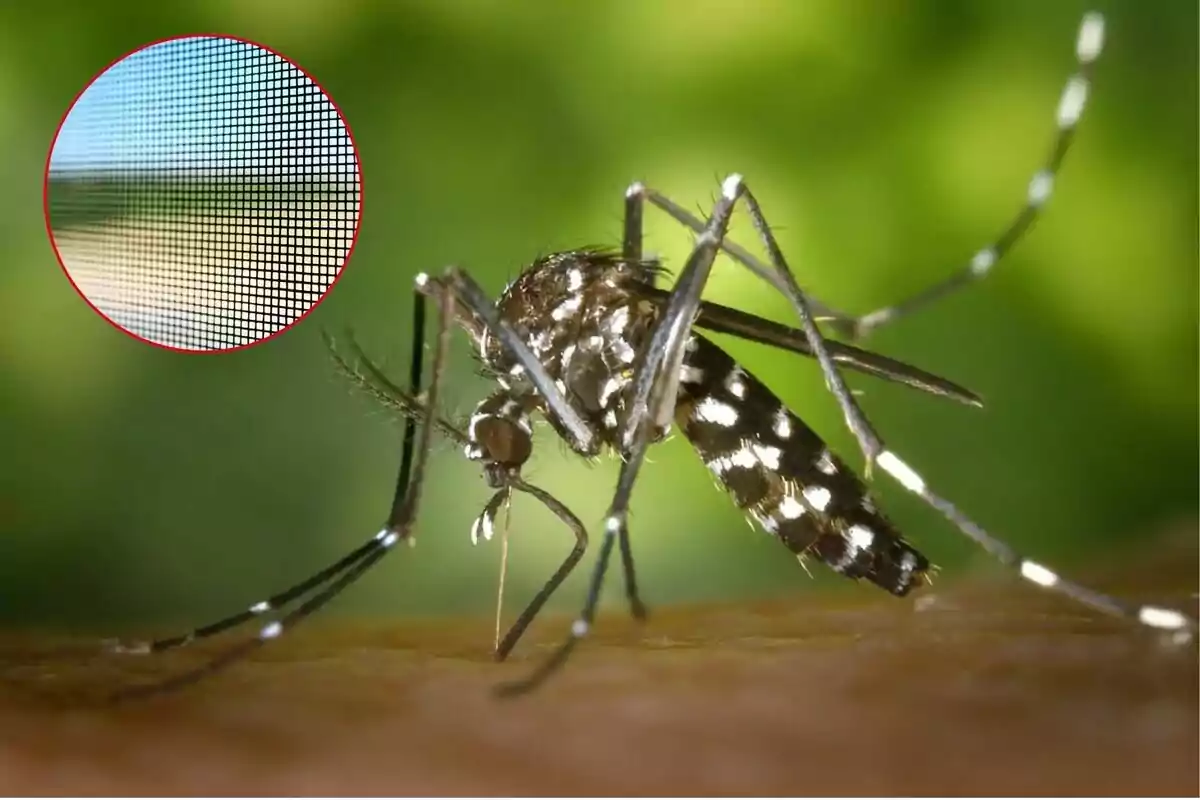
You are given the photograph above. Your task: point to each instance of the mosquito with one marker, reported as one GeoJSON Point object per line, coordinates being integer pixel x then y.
{"type": "Point", "coordinates": [588, 341]}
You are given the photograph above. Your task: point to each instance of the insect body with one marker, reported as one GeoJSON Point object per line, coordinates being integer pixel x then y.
{"type": "Point", "coordinates": [587, 316]}
{"type": "Point", "coordinates": [587, 340]}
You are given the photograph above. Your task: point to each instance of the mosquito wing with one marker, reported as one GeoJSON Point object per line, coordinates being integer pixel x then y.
{"type": "Point", "coordinates": [723, 319]}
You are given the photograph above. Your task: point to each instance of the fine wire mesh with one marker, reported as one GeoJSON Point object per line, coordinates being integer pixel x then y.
{"type": "Point", "coordinates": [203, 193]}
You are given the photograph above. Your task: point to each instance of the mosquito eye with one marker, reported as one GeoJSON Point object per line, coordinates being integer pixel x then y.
{"type": "Point", "coordinates": [503, 441]}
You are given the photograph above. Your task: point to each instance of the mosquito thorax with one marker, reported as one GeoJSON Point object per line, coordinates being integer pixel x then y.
{"type": "Point", "coordinates": [584, 318]}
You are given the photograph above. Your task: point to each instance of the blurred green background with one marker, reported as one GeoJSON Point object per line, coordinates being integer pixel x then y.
{"type": "Point", "coordinates": [887, 142]}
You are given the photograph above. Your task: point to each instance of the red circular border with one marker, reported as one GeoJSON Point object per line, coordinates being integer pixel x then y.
{"type": "Point", "coordinates": [357, 222]}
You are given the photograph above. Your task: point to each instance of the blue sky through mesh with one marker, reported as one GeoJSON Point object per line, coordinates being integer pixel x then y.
{"type": "Point", "coordinates": [199, 103]}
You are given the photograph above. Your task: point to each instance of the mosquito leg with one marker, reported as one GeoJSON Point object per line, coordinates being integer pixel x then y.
{"type": "Point", "coordinates": [404, 491]}
{"type": "Point", "coordinates": [1070, 108]}
{"type": "Point", "coordinates": [271, 630]}
{"type": "Point", "coordinates": [856, 421]}
{"type": "Point", "coordinates": [735, 251]}
{"type": "Point", "coordinates": [631, 249]}
{"type": "Point", "coordinates": [779, 276]}
{"type": "Point", "coordinates": [586, 439]}
{"type": "Point", "coordinates": [1088, 45]}
{"type": "Point", "coordinates": [535, 606]}
{"type": "Point", "coordinates": [631, 241]}
{"type": "Point", "coordinates": [399, 525]}
{"type": "Point", "coordinates": [1148, 615]}
{"type": "Point", "coordinates": [272, 603]}
{"type": "Point", "coordinates": [652, 406]}
{"type": "Point", "coordinates": [281, 600]}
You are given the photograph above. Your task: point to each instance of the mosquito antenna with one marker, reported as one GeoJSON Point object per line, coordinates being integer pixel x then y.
{"type": "Point", "coordinates": [368, 377]}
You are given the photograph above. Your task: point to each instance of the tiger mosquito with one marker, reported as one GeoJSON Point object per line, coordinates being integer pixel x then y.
{"type": "Point", "coordinates": [589, 342]}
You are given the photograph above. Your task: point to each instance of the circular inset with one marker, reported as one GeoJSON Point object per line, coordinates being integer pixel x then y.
{"type": "Point", "coordinates": [203, 193]}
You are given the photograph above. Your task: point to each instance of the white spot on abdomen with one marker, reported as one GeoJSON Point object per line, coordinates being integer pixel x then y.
{"type": "Point", "coordinates": [735, 384]}
{"type": "Point", "coordinates": [818, 497]}
{"type": "Point", "coordinates": [768, 455]}
{"type": "Point", "coordinates": [782, 424]}
{"type": "Point", "coordinates": [712, 410]}
{"type": "Point", "coordinates": [791, 508]}
{"type": "Point", "coordinates": [743, 457]}
{"type": "Point", "coordinates": [860, 537]}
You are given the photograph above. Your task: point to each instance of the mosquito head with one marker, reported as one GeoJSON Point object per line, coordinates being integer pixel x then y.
{"type": "Point", "coordinates": [501, 443]}
{"type": "Point", "coordinates": [501, 436]}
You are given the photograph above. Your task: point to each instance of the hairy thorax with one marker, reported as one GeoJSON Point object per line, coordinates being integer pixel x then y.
{"type": "Point", "coordinates": [581, 315]}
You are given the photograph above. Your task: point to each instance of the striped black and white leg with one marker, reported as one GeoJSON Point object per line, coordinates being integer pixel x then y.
{"type": "Point", "coordinates": [272, 604]}
{"type": "Point", "coordinates": [1088, 45]}
{"type": "Point", "coordinates": [1158, 617]}
{"type": "Point", "coordinates": [280, 601]}
{"type": "Point", "coordinates": [414, 458]}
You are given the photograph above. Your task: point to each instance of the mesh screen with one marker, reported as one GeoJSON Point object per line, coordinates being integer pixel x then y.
{"type": "Point", "coordinates": [203, 193]}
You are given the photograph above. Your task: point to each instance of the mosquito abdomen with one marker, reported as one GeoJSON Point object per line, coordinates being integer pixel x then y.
{"type": "Point", "coordinates": [780, 471]}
